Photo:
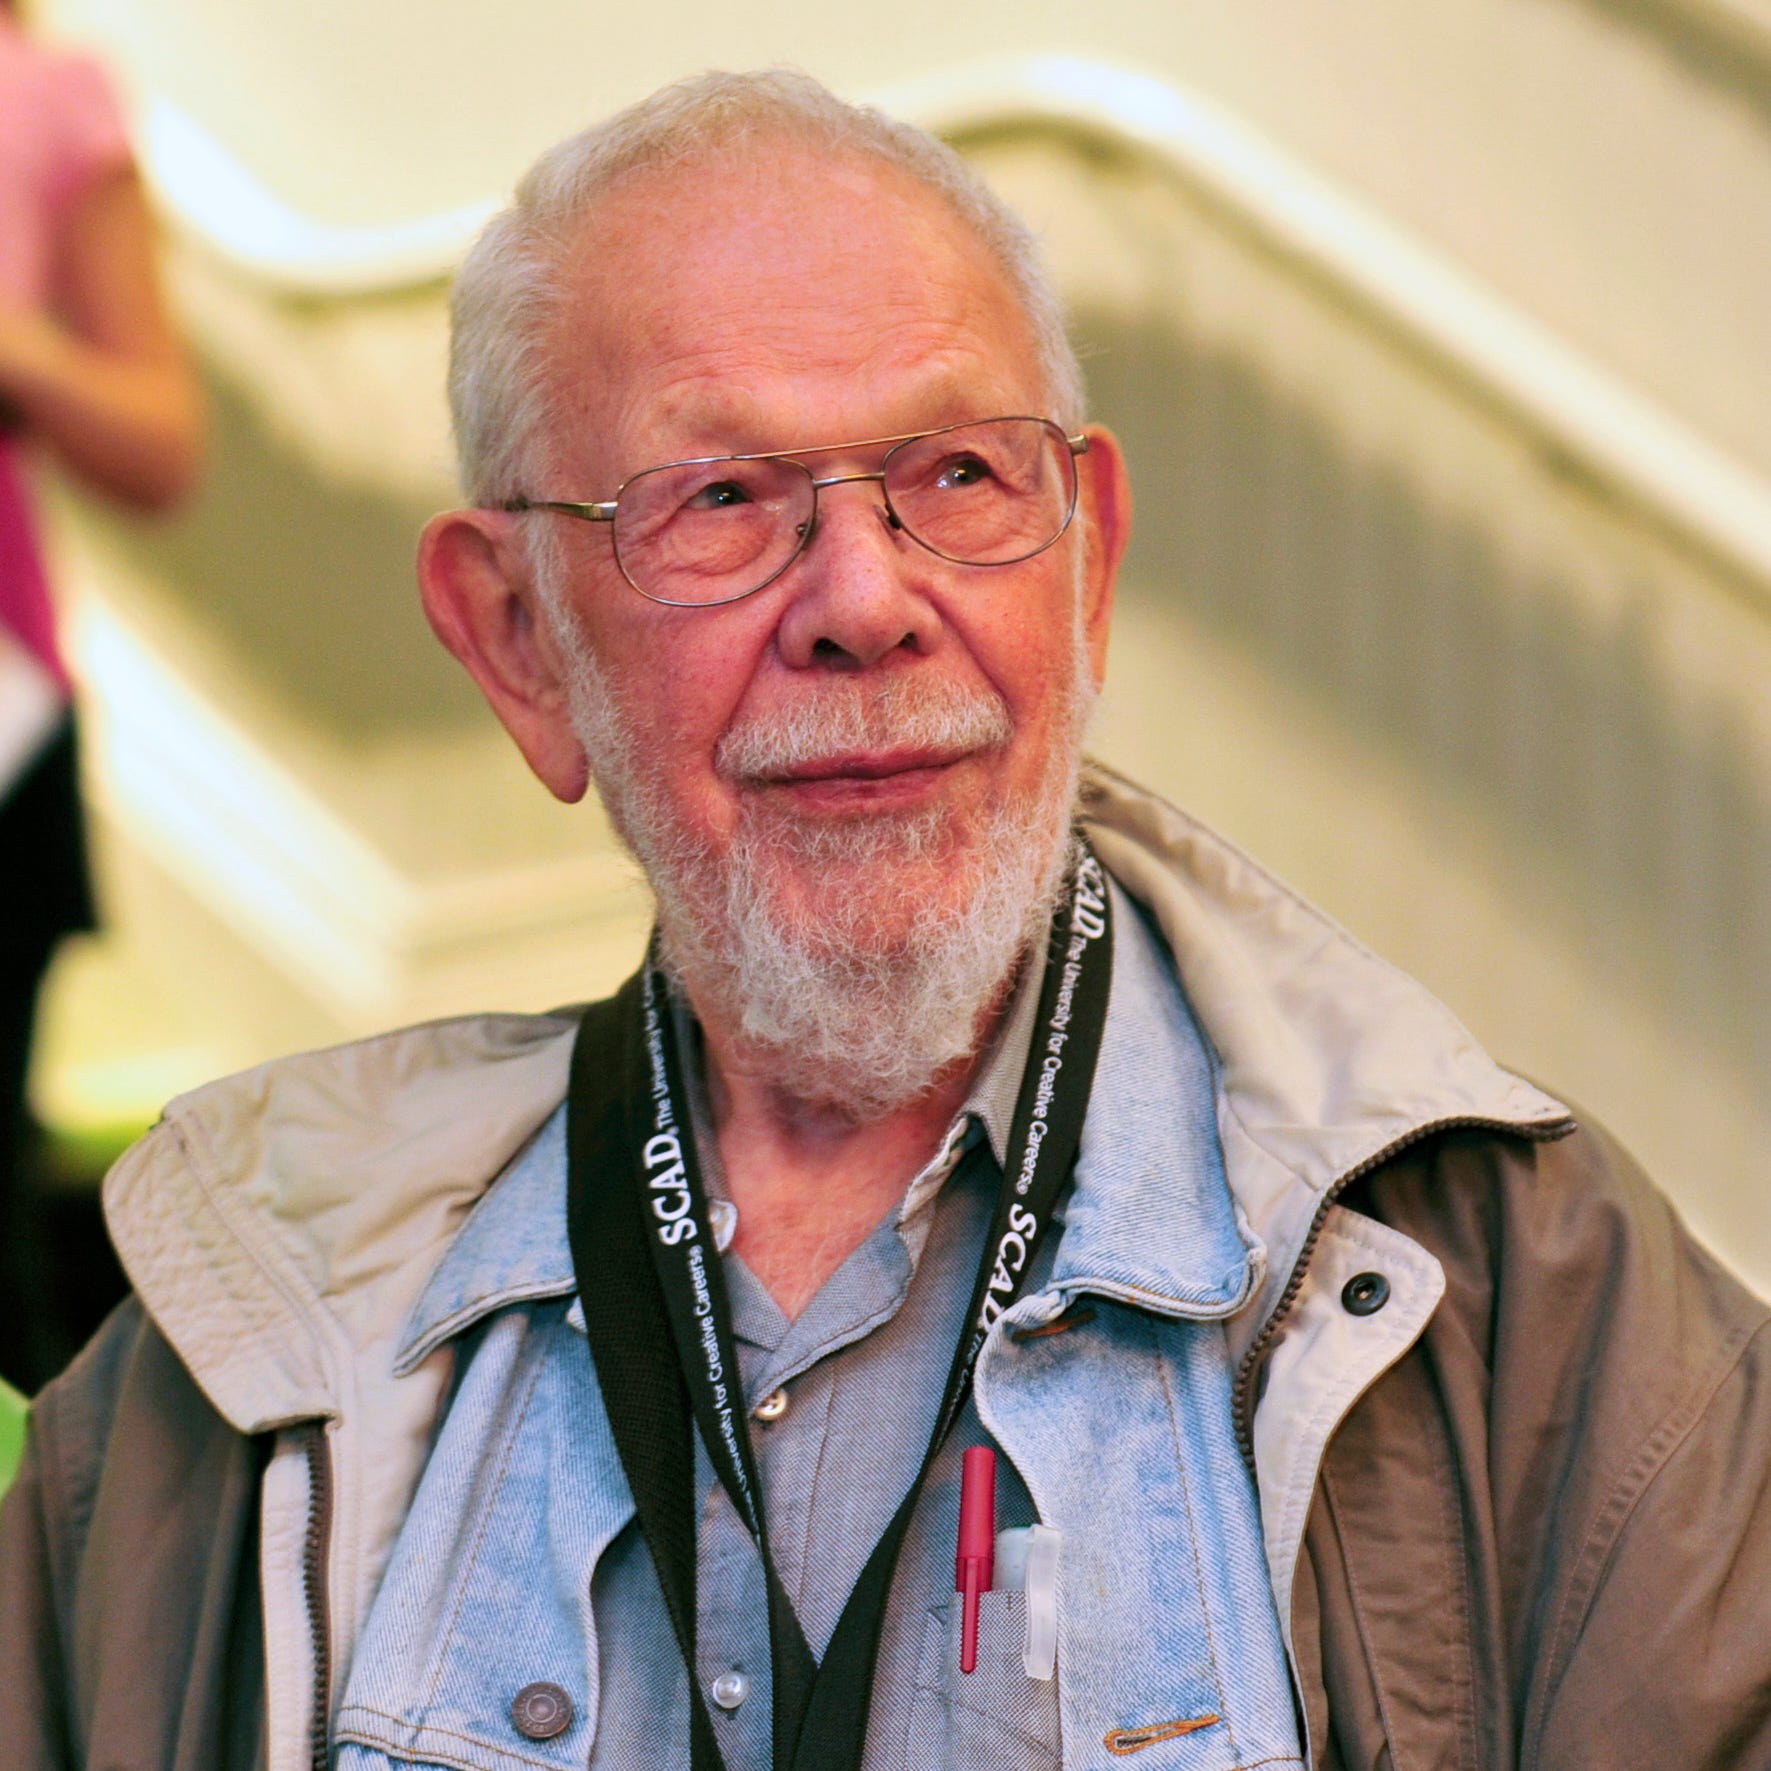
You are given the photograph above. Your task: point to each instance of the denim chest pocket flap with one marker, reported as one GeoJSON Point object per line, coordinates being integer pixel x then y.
{"type": "Point", "coordinates": [480, 1649]}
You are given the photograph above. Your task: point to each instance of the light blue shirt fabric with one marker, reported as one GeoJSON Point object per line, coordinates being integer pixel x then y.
{"type": "Point", "coordinates": [520, 1560]}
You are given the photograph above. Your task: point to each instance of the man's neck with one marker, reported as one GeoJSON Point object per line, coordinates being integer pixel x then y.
{"type": "Point", "coordinates": [810, 1182]}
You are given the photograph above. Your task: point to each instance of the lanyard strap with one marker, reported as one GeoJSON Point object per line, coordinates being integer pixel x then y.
{"type": "Point", "coordinates": [652, 1288]}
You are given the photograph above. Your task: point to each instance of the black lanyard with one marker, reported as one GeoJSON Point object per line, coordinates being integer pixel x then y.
{"type": "Point", "coordinates": [653, 1293]}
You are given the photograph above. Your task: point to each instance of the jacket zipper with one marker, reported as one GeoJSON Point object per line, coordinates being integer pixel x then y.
{"type": "Point", "coordinates": [1242, 1394]}
{"type": "Point", "coordinates": [313, 1586]}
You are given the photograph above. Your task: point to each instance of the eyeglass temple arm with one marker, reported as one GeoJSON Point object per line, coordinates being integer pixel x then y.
{"type": "Point", "coordinates": [591, 513]}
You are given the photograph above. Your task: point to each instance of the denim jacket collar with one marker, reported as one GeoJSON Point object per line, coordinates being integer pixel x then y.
{"type": "Point", "coordinates": [512, 1249]}
{"type": "Point", "coordinates": [1148, 1219]}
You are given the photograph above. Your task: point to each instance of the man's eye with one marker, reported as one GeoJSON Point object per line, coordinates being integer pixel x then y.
{"type": "Point", "coordinates": [964, 470]}
{"type": "Point", "coordinates": [719, 495]}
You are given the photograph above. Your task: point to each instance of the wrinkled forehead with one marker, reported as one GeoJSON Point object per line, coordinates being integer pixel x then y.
{"type": "Point", "coordinates": [733, 299]}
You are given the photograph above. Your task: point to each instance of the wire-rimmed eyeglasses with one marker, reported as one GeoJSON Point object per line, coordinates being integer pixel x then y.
{"type": "Point", "coordinates": [692, 534]}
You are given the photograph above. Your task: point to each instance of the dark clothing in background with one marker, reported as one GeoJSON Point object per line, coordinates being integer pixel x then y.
{"type": "Point", "coordinates": [45, 893]}
{"type": "Point", "coordinates": [45, 885]}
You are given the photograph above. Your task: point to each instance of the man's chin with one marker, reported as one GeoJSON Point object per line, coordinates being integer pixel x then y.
{"type": "Point", "coordinates": [874, 900]}
{"type": "Point", "coordinates": [865, 827]}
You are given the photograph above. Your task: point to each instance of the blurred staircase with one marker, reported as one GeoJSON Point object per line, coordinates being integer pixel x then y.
{"type": "Point", "coordinates": [1438, 338]}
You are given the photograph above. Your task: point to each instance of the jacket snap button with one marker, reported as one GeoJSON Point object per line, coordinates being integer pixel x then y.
{"type": "Point", "coordinates": [541, 1711]}
{"type": "Point", "coordinates": [1365, 1294]}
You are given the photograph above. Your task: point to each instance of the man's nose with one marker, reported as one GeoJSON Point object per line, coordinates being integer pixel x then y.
{"type": "Point", "coordinates": [859, 591]}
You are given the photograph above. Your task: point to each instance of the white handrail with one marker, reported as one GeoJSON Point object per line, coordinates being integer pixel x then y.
{"type": "Point", "coordinates": [1746, 23]}
{"type": "Point", "coordinates": [209, 193]}
{"type": "Point", "coordinates": [1645, 456]}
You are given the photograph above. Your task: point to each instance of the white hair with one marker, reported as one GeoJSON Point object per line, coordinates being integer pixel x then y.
{"type": "Point", "coordinates": [511, 285]}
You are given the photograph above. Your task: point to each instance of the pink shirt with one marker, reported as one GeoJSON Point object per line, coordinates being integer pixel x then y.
{"type": "Point", "coordinates": [60, 128]}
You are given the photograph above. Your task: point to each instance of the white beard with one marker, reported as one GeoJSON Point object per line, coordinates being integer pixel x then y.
{"type": "Point", "coordinates": [858, 958]}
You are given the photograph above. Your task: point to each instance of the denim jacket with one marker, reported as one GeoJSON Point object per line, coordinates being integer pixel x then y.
{"type": "Point", "coordinates": [1107, 1387]}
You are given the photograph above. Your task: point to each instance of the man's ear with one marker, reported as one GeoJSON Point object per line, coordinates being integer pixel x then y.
{"type": "Point", "coordinates": [483, 605]}
{"type": "Point", "coordinates": [1104, 500]}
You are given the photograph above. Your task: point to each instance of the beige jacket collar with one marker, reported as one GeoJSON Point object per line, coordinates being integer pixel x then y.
{"type": "Point", "coordinates": [279, 1224]}
{"type": "Point", "coordinates": [1330, 1057]}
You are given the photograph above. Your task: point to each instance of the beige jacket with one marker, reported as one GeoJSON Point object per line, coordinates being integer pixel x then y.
{"type": "Point", "coordinates": [1515, 1516]}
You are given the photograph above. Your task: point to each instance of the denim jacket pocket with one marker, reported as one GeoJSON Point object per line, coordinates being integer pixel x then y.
{"type": "Point", "coordinates": [480, 1652]}
{"type": "Point", "coordinates": [994, 1718]}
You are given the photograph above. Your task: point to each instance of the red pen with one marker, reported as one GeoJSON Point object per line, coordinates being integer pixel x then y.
{"type": "Point", "coordinates": [975, 1566]}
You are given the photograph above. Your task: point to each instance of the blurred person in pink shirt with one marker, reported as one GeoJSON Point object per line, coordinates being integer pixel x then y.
{"type": "Point", "coordinates": [92, 375]}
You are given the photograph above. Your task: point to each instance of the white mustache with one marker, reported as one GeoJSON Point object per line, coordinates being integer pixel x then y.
{"type": "Point", "coordinates": [846, 717]}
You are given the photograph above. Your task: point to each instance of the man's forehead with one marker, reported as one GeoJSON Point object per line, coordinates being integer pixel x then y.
{"type": "Point", "coordinates": [703, 295]}
{"type": "Point", "coordinates": [736, 420]}
{"type": "Point", "coordinates": [774, 206]}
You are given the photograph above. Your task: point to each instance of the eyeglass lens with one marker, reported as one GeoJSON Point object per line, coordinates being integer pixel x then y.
{"type": "Point", "coordinates": [712, 531]}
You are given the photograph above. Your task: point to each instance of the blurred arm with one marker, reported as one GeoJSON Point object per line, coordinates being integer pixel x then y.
{"type": "Point", "coordinates": [106, 384]}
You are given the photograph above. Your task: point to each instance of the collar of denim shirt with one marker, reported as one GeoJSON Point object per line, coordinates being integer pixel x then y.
{"type": "Point", "coordinates": [1148, 1216]}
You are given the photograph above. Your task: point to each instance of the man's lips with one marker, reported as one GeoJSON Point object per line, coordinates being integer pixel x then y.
{"type": "Point", "coordinates": [864, 765]}
{"type": "Point", "coordinates": [863, 781]}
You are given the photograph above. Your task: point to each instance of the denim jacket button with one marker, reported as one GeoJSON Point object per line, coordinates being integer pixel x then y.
{"type": "Point", "coordinates": [1365, 1294]}
{"type": "Point", "coordinates": [540, 1711]}
{"type": "Point", "coordinates": [772, 1406]}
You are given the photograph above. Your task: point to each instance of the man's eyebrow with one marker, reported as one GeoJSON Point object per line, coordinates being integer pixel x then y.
{"type": "Point", "coordinates": [708, 423]}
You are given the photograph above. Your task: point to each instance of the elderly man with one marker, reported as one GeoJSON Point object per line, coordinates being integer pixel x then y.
{"type": "Point", "coordinates": [991, 1181]}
